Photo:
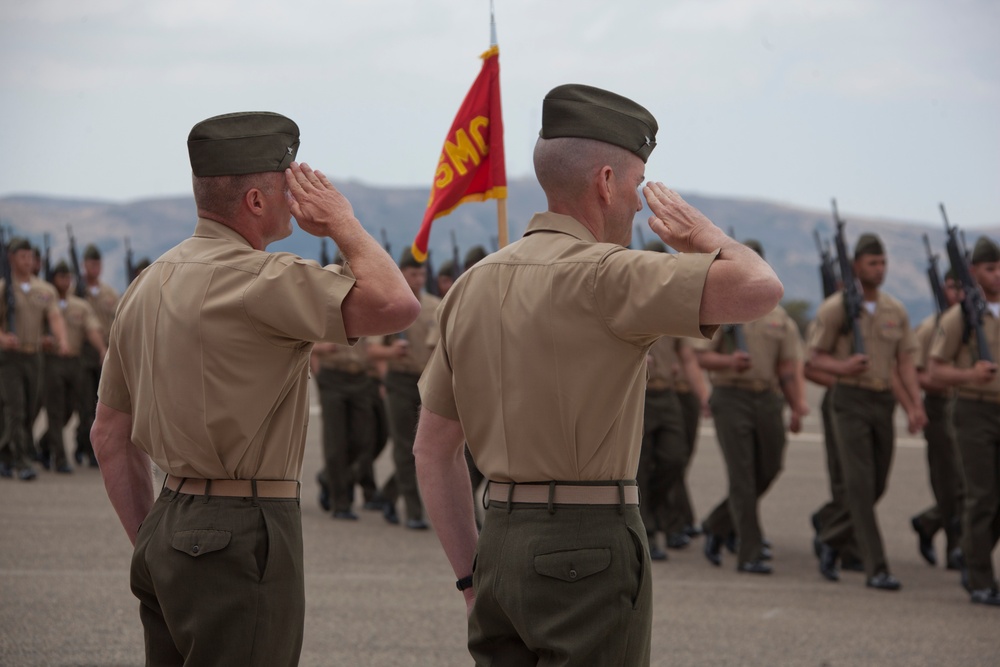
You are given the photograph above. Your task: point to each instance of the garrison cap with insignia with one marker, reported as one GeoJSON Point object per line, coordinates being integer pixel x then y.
{"type": "Point", "coordinates": [447, 268]}
{"type": "Point", "coordinates": [61, 267]}
{"type": "Point", "coordinates": [868, 244]}
{"type": "Point", "coordinates": [249, 142]}
{"type": "Point", "coordinates": [476, 254]}
{"type": "Point", "coordinates": [91, 252]}
{"type": "Point", "coordinates": [986, 250]}
{"type": "Point", "coordinates": [655, 246]}
{"type": "Point", "coordinates": [755, 245]}
{"type": "Point", "coordinates": [575, 110]}
{"type": "Point", "coordinates": [18, 243]}
{"type": "Point", "coordinates": [408, 261]}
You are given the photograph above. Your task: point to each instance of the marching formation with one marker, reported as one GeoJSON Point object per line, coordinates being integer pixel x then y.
{"type": "Point", "coordinates": [565, 371]}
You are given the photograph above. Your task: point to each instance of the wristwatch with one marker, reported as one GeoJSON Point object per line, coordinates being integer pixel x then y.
{"type": "Point", "coordinates": [463, 583]}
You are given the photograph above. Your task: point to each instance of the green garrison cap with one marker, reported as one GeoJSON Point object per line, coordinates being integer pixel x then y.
{"type": "Point", "coordinates": [18, 243]}
{"type": "Point", "coordinates": [242, 143]}
{"type": "Point", "coordinates": [476, 254]}
{"type": "Point", "coordinates": [655, 246]}
{"type": "Point", "coordinates": [575, 110]}
{"type": "Point", "coordinates": [408, 261]}
{"type": "Point", "coordinates": [447, 268]}
{"type": "Point", "coordinates": [61, 267]}
{"type": "Point", "coordinates": [868, 244]}
{"type": "Point", "coordinates": [950, 274]}
{"type": "Point", "coordinates": [986, 250]}
{"type": "Point", "coordinates": [91, 252]}
{"type": "Point", "coordinates": [755, 245]}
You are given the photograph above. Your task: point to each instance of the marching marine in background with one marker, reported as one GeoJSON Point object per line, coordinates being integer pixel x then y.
{"type": "Point", "coordinates": [751, 367]}
{"type": "Point", "coordinates": [963, 354]}
{"type": "Point", "coordinates": [863, 402]}
{"type": "Point", "coordinates": [35, 303]}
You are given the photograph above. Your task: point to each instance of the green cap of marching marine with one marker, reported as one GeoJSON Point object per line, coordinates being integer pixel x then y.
{"type": "Point", "coordinates": [986, 250]}
{"type": "Point", "coordinates": [61, 267]}
{"type": "Point", "coordinates": [242, 143]}
{"type": "Point", "coordinates": [655, 246]}
{"type": "Point", "coordinates": [447, 268]}
{"type": "Point", "coordinates": [476, 254]}
{"type": "Point", "coordinates": [755, 245]}
{"type": "Point", "coordinates": [868, 244]}
{"type": "Point", "coordinates": [18, 243]}
{"type": "Point", "coordinates": [408, 261]}
{"type": "Point", "coordinates": [585, 112]}
{"type": "Point", "coordinates": [91, 252]}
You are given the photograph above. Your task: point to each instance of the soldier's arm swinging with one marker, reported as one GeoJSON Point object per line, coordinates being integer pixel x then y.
{"type": "Point", "coordinates": [127, 472]}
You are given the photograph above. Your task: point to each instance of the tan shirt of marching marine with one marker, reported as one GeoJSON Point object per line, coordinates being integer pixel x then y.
{"type": "Point", "coordinates": [104, 300]}
{"type": "Point", "coordinates": [422, 337]}
{"type": "Point", "coordinates": [885, 334]}
{"type": "Point", "coordinates": [947, 345]}
{"type": "Point", "coordinates": [524, 389]}
{"type": "Point", "coordinates": [33, 301]}
{"type": "Point", "coordinates": [664, 363]}
{"type": "Point", "coordinates": [80, 320]}
{"type": "Point", "coordinates": [350, 359]}
{"type": "Point", "coordinates": [771, 339]}
{"type": "Point", "coordinates": [222, 406]}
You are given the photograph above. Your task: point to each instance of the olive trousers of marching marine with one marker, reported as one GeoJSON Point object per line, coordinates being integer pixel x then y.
{"type": "Point", "coordinates": [20, 382]}
{"type": "Point", "coordinates": [662, 459]}
{"type": "Point", "coordinates": [979, 443]}
{"type": "Point", "coordinates": [865, 439]}
{"type": "Point", "coordinates": [837, 505]}
{"type": "Point", "coordinates": [403, 403]}
{"type": "Point", "coordinates": [945, 472]}
{"type": "Point", "coordinates": [350, 429]}
{"type": "Point", "coordinates": [566, 587]}
{"type": "Point", "coordinates": [62, 390]}
{"type": "Point", "coordinates": [680, 510]}
{"type": "Point", "coordinates": [220, 581]}
{"type": "Point", "coordinates": [751, 434]}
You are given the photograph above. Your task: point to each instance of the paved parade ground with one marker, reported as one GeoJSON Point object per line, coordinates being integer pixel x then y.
{"type": "Point", "coordinates": [384, 596]}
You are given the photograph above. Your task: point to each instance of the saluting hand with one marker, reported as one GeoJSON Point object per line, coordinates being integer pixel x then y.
{"type": "Point", "coordinates": [678, 224]}
{"type": "Point", "coordinates": [318, 207]}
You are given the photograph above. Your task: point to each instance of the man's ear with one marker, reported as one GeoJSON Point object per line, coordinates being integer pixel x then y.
{"type": "Point", "coordinates": [603, 180]}
{"type": "Point", "coordinates": [254, 201]}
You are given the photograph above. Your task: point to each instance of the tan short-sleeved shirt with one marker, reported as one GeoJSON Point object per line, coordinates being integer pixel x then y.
{"type": "Point", "coordinates": [33, 301]}
{"type": "Point", "coordinates": [947, 344]}
{"type": "Point", "coordinates": [886, 334]}
{"type": "Point", "coordinates": [352, 359]}
{"type": "Point", "coordinates": [423, 336]}
{"type": "Point", "coordinates": [80, 319]}
{"type": "Point", "coordinates": [103, 298]}
{"type": "Point", "coordinates": [210, 352]}
{"type": "Point", "coordinates": [924, 333]}
{"type": "Point", "coordinates": [771, 339]}
{"type": "Point", "coordinates": [543, 351]}
{"type": "Point", "coordinates": [664, 363]}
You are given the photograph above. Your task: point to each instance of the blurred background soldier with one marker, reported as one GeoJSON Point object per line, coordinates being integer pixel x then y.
{"type": "Point", "coordinates": [63, 371]}
{"type": "Point", "coordinates": [104, 300]}
{"type": "Point", "coordinates": [406, 353]}
{"type": "Point", "coordinates": [35, 303]}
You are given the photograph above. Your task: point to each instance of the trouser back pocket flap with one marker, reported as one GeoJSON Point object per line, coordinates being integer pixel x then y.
{"type": "Point", "coordinates": [572, 565]}
{"type": "Point", "coordinates": [199, 542]}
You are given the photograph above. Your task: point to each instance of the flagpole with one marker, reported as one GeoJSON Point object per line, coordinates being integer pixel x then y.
{"type": "Point", "coordinates": [502, 202]}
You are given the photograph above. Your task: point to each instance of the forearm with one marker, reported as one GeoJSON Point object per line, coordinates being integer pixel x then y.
{"type": "Point", "coordinates": [126, 469]}
{"type": "Point", "coordinates": [715, 361]}
{"type": "Point", "coordinates": [824, 362]}
{"type": "Point", "coordinates": [790, 381]}
{"type": "Point", "coordinates": [439, 451]}
{"type": "Point", "coordinates": [693, 374]}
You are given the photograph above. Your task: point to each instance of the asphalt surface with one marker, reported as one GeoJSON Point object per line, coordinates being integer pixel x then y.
{"type": "Point", "coordinates": [382, 595]}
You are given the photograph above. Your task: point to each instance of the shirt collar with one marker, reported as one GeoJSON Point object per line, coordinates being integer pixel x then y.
{"type": "Point", "coordinates": [561, 224]}
{"type": "Point", "coordinates": [211, 229]}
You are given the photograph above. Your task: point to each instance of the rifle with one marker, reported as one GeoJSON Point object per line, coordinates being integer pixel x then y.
{"type": "Point", "coordinates": [47, 257]}
{"type": "Point", "coordinates": [827, 275]}
{"type": "Point", "coordinates": [385, 242]}
{"type": "Point", "coordinates": [739, 337]}
{"type": "Point", "coordinates": [129, 264]}
{"type": "Point", "coordinates": [454, 254]}
{"type": "Point", "coordinates": [973, 303]}
{"type": "Point", "coordinates": [324, 256]}
{"type": "Point", "coordinates": [7, 273]}
{"type": "Point", "coordinates": [937, 289]}
{"type": "Point", "coordinates": [81, 288]}
{"type": "Point", "coordinates": [852, 295]}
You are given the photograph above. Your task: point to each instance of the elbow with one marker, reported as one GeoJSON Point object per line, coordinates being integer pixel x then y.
{"type": "Point", "coordinates": [402, 311]}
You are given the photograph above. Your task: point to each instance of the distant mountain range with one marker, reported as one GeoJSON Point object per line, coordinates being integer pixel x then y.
{"type": "Point", "coordinates": [154, 225]}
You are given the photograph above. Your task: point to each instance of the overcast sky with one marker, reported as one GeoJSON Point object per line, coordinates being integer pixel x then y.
{"type": "Point", "coordinates": [890, 106]}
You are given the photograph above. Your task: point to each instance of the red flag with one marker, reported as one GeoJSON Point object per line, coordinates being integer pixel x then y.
{"type": "Point", "coordinates": [471, 167]}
